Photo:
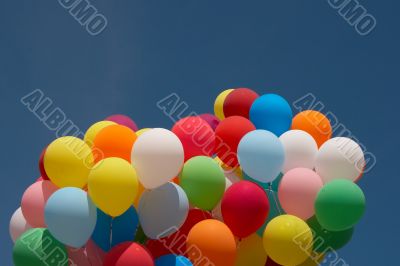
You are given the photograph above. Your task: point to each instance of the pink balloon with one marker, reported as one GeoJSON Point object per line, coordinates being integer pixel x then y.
{"type": "Point", "coordinates": [123, 120]}
{"type": "Point", "coordinates": [34, 201]}
{"type": "Point", "coordinates": [18, 225]}
{"type": "Point", "coordinates": [298, 190]}
{"type": "Point", "coordinates": [89, 255]}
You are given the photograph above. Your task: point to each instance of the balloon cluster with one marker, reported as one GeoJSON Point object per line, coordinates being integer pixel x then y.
{"type": "Point", "coordinates": [250, 185]}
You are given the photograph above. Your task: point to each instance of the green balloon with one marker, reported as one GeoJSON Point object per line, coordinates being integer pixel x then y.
{"type": "Point", "coordinates": [325, 240]}
{"type": "Point", "coordinates": [339, 205]}
{"type": "Point", "coordinates": [203, 181]}
{"type": "Point", "coordinates": [37, 247]}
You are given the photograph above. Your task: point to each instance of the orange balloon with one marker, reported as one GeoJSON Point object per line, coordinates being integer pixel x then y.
{"type": "Point", "coordinates": [114, 141]}
{"type": "Point", "coordinates": [315, 124]}
{"type": "Point", "coordinates": [211, 241]}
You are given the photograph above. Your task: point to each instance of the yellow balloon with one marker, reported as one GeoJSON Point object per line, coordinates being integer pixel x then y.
{"type": "Point", "coordinates": [141, 189]}
{"type": "Point", "coordinates": [141, 131]}
{"type": "Point", "coordinates": [113, 185]}
{"type": "Point", "coordinates": [315, 260]}
{"type": "Point", "coordinates": [288, 240]}
{"type": "Point", "coordinates": [219, 104]}
{"type": "Point", "coordinates": [251, 252]}
{"type": "Point", "coordinates": [94, 129]}
{"type": "Point", "coordinates": [68, 161]}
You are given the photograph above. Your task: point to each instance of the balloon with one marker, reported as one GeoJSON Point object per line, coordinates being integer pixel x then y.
{"type": "Point", "coordinates": [270, 262]}
{"type": "Point", "coordinates": [113, 185]}
{"type": "Point", "coordinates": [315, 124]}
{"type": "Point", "coordinates": [114, 141]}
{"type": "Point", "coordinates": [325, 240]}
{"type": "Point", "coordinates": [196, 135]}
{"type": "Point", "coordinates": [339, 205]}
{"type": "Point", "coordinates": [68, 161]}
{"type": "Point", "coordinates": [275, 209]}
{"type": "Point", "coordinates": [176, 243]}
{"type": "Point", "coordinates": [70, 216]}
{"type": "Point", "coordinates": [18, 225]}
{"type": "Point", "coordinates": [163, 210]}
{"type": "Point", "coordinates": [94, 129]}
{"type": "Point", "coordinates": [228, 135]}
{"type": "Point", "coordinates": [37, 247]}
{"type": "Point", "coordinates": [141, 131]}
{"type": "Point", "coordinates": [211, 120]}
{"type": "Point", "coordinates": [123, 120]}
{"type": "Point", "coordinates": [203, 181]}
{"type": "Point", "coordinates": [251, 252]}
{"type": "Point", "coordinates": [288, 234]}
{"type": "Point", "coordinates": [244, 208]}
{"type": "Point", "coordinates": [141, 189]}
{"type": "Point", "coordinates": [110, 231]}
{"type": "Point", "coordinates": [34, 200]}
{"type": "Point", "coordinates": [88, 255]}
{"type": "Point", "coordinates": [238, 102]}
{"type": "Point", "coordinates": [300, 150]}
{"type": "Point", "coordinates": [173, 260]}
{"type": "Point", "coordinates": [211, 241]}
{"type": "Point", "coordinates": [340, 158]}
{"type": "Point", "coordinates": [219, 104]}
{"type": "Point", "coordinates": [41, 166]}
{"type": "Point", "coordinates": [261, 155]}
{"type": "Point", "coordinates": [158, 157]}
{"type": "Point", "coordinates": [128, 253]}
{"type": "Point", "coordinates": [271, 112]}
{"type": "Point", "coordinates": [298, 190]}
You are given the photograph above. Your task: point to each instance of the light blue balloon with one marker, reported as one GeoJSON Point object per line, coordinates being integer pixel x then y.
{"type": "Point", "coordinates": [110, 231]}
{"type": "Point", "coordinates": [173, 260]}
{"type": "Point", "coordinates": [70, 216]}
{"type": "Point", "coordinates": [271, 112]}
{"type": "Point", "coordinates": [261, 155]}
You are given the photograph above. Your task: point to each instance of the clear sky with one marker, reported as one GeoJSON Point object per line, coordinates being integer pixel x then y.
{"type": "Point", "coordinates": [196, 48]}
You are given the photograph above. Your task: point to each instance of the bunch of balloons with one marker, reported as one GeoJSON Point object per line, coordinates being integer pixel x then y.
{"type": "Point", "coordinates": [250, 185]}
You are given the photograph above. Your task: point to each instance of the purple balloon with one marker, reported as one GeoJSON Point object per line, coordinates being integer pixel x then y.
{"type": "Point", "coordinates": [212, 120]}
{"type": "Point", "coordinates": [123, 120]}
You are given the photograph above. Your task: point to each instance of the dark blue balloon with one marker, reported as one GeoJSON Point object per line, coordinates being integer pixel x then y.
{"type": "Point", "coordinates": [271, 112]}
{"type": "Point", "coordinates": [173, 260]}
{"type": "Point", "coordinates": [110, 232]}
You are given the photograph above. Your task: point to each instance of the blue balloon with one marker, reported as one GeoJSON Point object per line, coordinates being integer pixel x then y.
{"type": "Point", "coordinates": [261, 155]}
{"type": "Point", "coordinates": [110, 232]}
{"type": "Point", "coordinates": [173, 260]}
{"type": "Point", "coordinates": [271, 112]}
{"type": "Point", "coordinates": [70, 216]}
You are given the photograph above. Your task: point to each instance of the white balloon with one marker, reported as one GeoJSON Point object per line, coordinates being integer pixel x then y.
{"type": "Point", "coordinates": [18, 225]}
{"type": "Point", "coordinates": [339, 157]}
{"type": "Point", "coordinates": [157, 156]}
{"type": "Point", "coordinates": [162, 211]}
{"type": "Point", "coordinates": [300, 150]}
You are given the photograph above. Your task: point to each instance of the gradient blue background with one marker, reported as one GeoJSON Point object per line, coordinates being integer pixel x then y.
{"type": "Point", "coordinates": [196, 48]}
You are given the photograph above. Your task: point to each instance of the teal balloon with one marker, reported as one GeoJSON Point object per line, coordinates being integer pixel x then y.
{"type": "Point", "coordinates": [274, 185]}
{"type": "Point", "coordinates": [325, 240]}
{"type": "Point", "coordinates": [70, 216]}
{"type": "Point", "coordinates": [271, 112]}
{"type": "Point", "coordinates": [173, 260]}
{"type": "Point", "coordinates": [110, 231]}
{"type": "Point", "coordinates": [261, 155]}
{"type": "Point", "coordinates": [37, 247]}
{"type": "Point", "coordinates": [275, 210]}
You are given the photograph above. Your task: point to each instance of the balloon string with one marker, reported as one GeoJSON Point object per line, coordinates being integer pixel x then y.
{"type": "Point", "coordinates": [111, 231]}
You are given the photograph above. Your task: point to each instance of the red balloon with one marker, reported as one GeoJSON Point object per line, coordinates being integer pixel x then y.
{"type": "Point", "coordinates": [228, 135]}
{"type": "Point", "coordinates": [128, 254]}
{"type": "Point", "coordinates": [244, 208]}
{"type": "Point", "coordinates": [239, 102]}
{"type": "Point", "coordinates": [196, 135]}
{"type": "Point", "coordinates": [270, 262]}
{"type": "Point", "coordinates": [176, 243]}
{"type": "Point", "coordinates": [41, 165]}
